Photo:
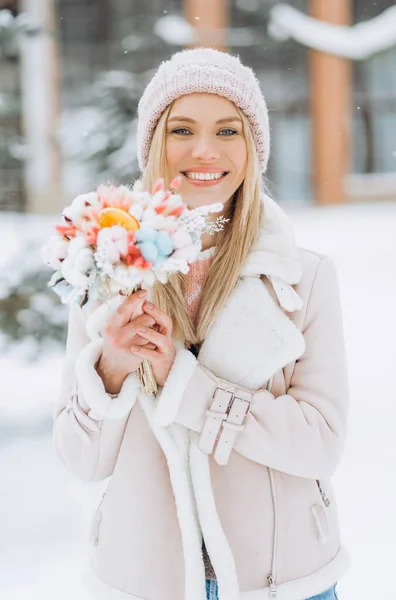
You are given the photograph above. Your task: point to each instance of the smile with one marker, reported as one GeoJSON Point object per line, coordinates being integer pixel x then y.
{"type": "Point", "coordinates": [205, 176]}
{"type": "Point", "coordinates": [201, 178]}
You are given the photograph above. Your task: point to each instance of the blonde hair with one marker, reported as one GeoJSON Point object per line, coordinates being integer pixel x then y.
{"type": "Point", "coordinates": [244, 211]}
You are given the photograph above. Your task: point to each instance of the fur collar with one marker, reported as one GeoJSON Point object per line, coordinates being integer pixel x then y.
{"type": "Point", "coordinates": [276, 255]}
{"type": "Point", "coordinates": [252, 337]}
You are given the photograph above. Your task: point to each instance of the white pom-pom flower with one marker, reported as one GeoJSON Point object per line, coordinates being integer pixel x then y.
{"type": "Point", "coordinates": [55, 251]}
{"type": "Point", "coordinates": [79, 206]}
{"type": "Point", "coordinates": [112, 243]}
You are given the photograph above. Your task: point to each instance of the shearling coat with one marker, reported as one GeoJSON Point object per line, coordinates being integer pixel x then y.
{"type": "Point", "coordinates": [238, 447]}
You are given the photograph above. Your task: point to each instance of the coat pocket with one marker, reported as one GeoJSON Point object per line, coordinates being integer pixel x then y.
{"type": "Point", "coordinates": [95, 524]}
{"type": "Point", "coordinates": [319, 513]}
{"type": "Point", "coordinates": [321, 523]}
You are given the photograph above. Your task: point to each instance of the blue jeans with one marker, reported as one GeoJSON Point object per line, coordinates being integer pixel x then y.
{"type": "Point", "coordinates": [212, 592]}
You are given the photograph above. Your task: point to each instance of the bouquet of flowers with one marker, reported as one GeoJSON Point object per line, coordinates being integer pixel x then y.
{"type": "Point", "coordinates": [118, 239]}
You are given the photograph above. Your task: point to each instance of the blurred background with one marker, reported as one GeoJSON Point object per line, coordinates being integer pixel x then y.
{"type": "Point", "coordinates": [71, 75]}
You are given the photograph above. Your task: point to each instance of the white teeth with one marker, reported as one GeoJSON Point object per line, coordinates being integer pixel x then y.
{"type": "Point", "coordinates": [204, 176]}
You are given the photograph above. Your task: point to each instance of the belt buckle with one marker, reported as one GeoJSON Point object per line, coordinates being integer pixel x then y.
{"type": "Point", "coordinates": [241, 397]}
{"type": "Point", "coordinates": [224, 389]}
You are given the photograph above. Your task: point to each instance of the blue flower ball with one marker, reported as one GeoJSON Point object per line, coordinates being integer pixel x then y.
{"type": "Point", "coordinates": [149, 251]}
{"type": "Point", "coordinates": [145, 234]}
{"type": "Point", "coordinates": [160, 260]}
{"type": "Point", "coordinates": [164, 243]}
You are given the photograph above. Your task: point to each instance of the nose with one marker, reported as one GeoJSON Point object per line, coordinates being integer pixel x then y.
{"type": "Point", "coordinates": [204, 148]}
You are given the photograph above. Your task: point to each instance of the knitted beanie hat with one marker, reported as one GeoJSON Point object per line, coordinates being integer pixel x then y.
{"type": "Point", "coordinates": [203, 70]}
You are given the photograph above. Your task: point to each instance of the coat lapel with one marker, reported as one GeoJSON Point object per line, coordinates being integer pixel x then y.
{"type": "Point", "coordinates": [252, 338]}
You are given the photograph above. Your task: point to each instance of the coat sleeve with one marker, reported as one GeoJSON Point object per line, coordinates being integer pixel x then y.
{"type": "Point", "coordinates": [301, 432]}
{"type": "Point", "coordinates": [88, 424]}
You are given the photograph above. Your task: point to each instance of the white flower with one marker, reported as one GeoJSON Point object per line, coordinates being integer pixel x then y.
{"type": "Point", "coordinates": [79, 205]}
{"type": "Point", "coordinates": [149, 215]}
{"type": "Point", "coordinates": [83, 260]}
{"type": "Point", "coordinates": [136, 211]}
{"type": "Point", "coordinates": [75, 268]}
{"type": "Point", "coordinates": [75, 245]}
{"type": "Point", "coordinates": [112, 243]}
{"type": "Point", "coordinates": [55, 251]}
{"type": "Point", "coordinates": [72, 275]}
{"type": "Point", "coordinates": [125, 277]}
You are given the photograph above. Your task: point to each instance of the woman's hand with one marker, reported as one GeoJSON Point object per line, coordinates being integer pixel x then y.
{"type": "Point", "coordinates": [120, 334]}
{"type": "Point", "coordinates": [163, 356]}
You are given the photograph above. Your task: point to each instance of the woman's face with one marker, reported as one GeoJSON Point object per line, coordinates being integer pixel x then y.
{"type": "Point", "coordinates": [205, 143]}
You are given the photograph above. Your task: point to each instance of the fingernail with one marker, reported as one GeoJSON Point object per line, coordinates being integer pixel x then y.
{"type": "Point", "coordinates": [149, 305]}
{"type": "Point", "coordinates": [141, 293]}
{"type": "Point", "coordinates": [135, 349]}
{"type": "Point", "coordinates": [142, 329]}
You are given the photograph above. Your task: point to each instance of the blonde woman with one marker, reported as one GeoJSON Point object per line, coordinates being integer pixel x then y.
{"type": "Point", "coordinates": [219, 485]}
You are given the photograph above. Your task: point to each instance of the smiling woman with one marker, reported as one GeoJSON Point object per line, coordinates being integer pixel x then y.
{"type": "Point", "coordinates": [208, 147]}
{"type": "Point", "coordinates": [220, 485]}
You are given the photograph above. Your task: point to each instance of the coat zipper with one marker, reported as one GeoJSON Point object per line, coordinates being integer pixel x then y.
{"type": "Point", "coordinates": [325, 499]}
{"type": "Point", "coordinates": [272, 576]}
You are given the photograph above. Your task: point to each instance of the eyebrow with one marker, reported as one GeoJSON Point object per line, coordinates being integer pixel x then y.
{"type": "Point", "coordinates": [188, 120]}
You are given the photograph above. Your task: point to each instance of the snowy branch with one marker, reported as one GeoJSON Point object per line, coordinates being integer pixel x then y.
{"type": "Point", "coordinates": [357, 43]}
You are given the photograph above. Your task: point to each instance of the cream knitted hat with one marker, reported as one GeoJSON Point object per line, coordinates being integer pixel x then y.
{"type": "Point", "coordinates": [203, 70]}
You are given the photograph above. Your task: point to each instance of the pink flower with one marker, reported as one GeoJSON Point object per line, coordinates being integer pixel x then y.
{"type": "Point", "coordinates": [117, 197]}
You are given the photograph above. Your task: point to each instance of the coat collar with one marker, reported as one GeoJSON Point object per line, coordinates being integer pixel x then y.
{"type": "Point", "coordinates": [275, 252]}
{"type": "Point", "coordinates": [276, 255]}
{"type": "Point", "coordinates": [252, 337]}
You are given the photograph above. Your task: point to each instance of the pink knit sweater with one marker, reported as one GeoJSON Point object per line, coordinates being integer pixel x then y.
{"type": "Point", "coordinates": [196, 279]}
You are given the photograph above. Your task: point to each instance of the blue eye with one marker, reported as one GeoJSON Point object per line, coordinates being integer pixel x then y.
{"type": "Point", "coordinates": [233, 131]}
{"type": "Point", "coordinates": [180, 129]}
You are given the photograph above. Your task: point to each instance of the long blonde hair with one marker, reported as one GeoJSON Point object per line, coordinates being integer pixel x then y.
{"type": "Point", "coordinates": [244, 211]}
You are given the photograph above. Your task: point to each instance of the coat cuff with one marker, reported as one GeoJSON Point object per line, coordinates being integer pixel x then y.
{"type": "Point", "coordinates": [172, 393]}
{"type": "Point", "coordinates": [102, 405]}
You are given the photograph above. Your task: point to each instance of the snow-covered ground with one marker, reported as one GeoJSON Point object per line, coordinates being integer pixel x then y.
{"type": "Point", "coordinates": [44, 512]}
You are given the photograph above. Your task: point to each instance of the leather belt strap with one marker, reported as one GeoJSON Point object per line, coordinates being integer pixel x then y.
{"type": "Point", "coordinates": [216, 415]}
{"type": "Point", "coordinates": [232, 426]}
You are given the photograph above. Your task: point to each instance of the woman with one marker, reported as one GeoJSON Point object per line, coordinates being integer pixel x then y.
{"type": "Point", "coordinates": [220, 485]}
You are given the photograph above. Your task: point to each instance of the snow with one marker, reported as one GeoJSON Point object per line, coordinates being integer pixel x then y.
{"type": "Point", "coordinates": [358, 42]}
{"type": "Point", "coordinates": [45, 511]}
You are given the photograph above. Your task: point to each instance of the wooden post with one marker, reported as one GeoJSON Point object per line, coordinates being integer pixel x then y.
{"type": "Point", "coordinates": [210, 21]}
{"type": "Point", "coordinates": [40, 84]}
{"type": "Point", "coordinates": [330, 105]}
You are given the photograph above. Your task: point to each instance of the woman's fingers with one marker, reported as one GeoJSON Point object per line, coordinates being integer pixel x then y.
{"type": "Point", "coordinates": [126, 310]}
{"type": "Point", "coordinates": [130, 329]}
{"type": "Point", "coordinates": [162, 318]}
{"type": "Point", "coordinates": [160, 341]}
{"type": "Point", "coordinates": [148, 345]}
{"type": "Point", "coordinates": [151, 355]}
